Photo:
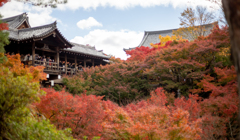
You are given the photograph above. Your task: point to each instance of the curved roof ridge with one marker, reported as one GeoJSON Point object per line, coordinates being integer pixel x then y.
{"type": "Point", "coordinates": [15, 21]}
{"type": "Point", "coordinates": [85, 46]}
{"type": "Point", "coordinates": [153, 36]}
{"type": "Point", "coordinates": [23, 20]}
{"type": "Point", "coordinates": [77, 44]}
{"type": "Point", "coordinates": [39, 27]}
{"type": "Point", "coordinates": [69, 43]}
{"type": "Point", "coordinates": [168, 30]}
{"type": "Point", "coordinates": [87, 50]}
{"type": "Point", "coordinates": [27, 21]}
{"type": "Point", "coordinates": [38, 32]}
{"type": "Point", "coordinates": [161, 31]}
{"type": "Point", "coordinates": [144, 38]}
{"type": "Point", "coordinates": [13, 17]}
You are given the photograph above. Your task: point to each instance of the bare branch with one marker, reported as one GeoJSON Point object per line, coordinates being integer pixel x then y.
{"type": "Point", "coordinates": [44, 3]}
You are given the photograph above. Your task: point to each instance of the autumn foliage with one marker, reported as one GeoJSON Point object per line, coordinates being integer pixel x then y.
{"type": "Point", "coordinates": [157, 117]}
{"type": "Point", "coordinates": [132, 99]}
{"type": "Point", "coordinates": [179, 67]}
{"type": "Point", "coordinates": [199, 73]}
{"type": "Point", "coordinates": [150, 119]}
{"type": "Point", "coordinates": [18, 69]}
{"type": "Point", "coordinates": [4, 26]}
{"type": "Point", "coordinates": [140, 53]}
{"type": "Point", "coordinates": [19, 89]}
{"type": "Point", "coordinates": [88, 115]}
{"type": "Point", "coordinates": [80, 113]}
{"type": "Point", "coordinates": [174, 90]}
{"type": "Point", "coordinates": [122, 83]}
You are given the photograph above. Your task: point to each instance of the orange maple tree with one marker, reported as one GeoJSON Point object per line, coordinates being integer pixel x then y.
{"type": "Point", "coordinates": [80, 113]}
{"type": "Point", "coordinates": [89, 115]}
{"type": "Point", "coordinates": [18, 69]}
{"type": "Point", "coordinates": [140, 53]}
{"type": "Point", "coordinates": [150, 119]}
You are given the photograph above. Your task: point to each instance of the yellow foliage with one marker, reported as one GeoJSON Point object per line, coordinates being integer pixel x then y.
{"type": "Point", "coordinates": [164, 40]}
{"type": "Point", "coordinates": [224, 52]}
{"type": "Point", "coordinates": [191, 33]}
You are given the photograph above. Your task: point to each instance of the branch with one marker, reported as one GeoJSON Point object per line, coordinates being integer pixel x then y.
{"type": "Point", "coordinates": [44, 3]}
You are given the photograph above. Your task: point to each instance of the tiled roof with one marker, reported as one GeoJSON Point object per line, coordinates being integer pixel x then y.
{"type": "Point", "coordinates": [87, 50]}
{"type": "Point", "coordinates": [31, 33]}
{"type": "Point", "coordinates": [43, 31]}
{"type": "Point", "coordinates": [16, 21]}
{"type": "Point", "coordinates": [153, 36]}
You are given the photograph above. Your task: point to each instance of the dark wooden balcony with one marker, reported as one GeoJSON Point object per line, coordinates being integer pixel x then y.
{"type": "Point", "coordinates": [52, 68]}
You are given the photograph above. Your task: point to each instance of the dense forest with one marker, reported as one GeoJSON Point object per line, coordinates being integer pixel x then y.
{"type": "Point", "coordinates": [177, 89]}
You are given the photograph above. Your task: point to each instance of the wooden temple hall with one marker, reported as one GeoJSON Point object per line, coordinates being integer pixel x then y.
{"type": "Point", "coordinates": [45, 45]}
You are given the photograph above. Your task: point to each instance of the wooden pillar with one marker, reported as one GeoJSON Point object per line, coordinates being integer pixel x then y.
{"type": "Point", "coordinates": [18, 50]}
{"type": "Point", "coordinates": [33, 53]}
{"type": "Point", "coordinates": [43, 53]}
{"type": "Point", "coordinates": [65, 63]}
{"type": "Point", "coordinates": [75, 61]}
{"type": "Point", "coordinates": [92, 62]}
{"type": "Point", "coordinates": [57, 58]}
{"type": "Point", "coordinates": [100, 62]}
{"type": "Point", "coordinates": [85, 63]}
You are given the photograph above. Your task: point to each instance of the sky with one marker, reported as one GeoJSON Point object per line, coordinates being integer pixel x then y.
{"type": "Point", "coordinates": [109, 25]}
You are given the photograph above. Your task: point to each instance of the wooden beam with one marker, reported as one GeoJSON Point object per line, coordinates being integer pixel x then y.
{"type": "Point", "coordinates": [53, 42]}
{"type": "Point", "coordinates": [33, 53]}
{"type": "Point", "coordinates": [46, 50]}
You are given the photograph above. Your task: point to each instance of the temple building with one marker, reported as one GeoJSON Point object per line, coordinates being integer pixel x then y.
{"type": "Point", "coordinates": [45, 45]}
{"type": "Point", "coordinates": [153, 36]}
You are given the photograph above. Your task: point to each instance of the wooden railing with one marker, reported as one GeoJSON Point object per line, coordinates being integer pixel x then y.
{"type": "Point", "coordinates": [52, 66]}
{"type": "Point", "coordinates": [48, 65]}
{"type": "Point", "coordinates": [70, 71]}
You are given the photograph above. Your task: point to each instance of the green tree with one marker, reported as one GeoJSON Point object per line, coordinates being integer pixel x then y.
{"type": "Point", "coordinates": [78, 85]}
{"type": "Point", "coordinates": [16, 92]}
{"type": "Point", "coordinates": [32, 129]}
{"type": "Point", "coordinates": [19, 89]}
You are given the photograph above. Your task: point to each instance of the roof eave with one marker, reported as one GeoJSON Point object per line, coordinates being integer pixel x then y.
{"type": "Point", "coordinates": [72, 51]}
{"type": "Point", "coordinates": [63, 39]}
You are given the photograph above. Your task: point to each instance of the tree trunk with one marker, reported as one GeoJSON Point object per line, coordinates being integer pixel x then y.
{"type": "Point", "coordinates": [232, 14]}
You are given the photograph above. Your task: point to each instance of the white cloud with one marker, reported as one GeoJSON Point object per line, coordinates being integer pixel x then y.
{"type": "Point", "coordinates": [37, 15]}
{"type": "Point", "coordinates": [111, 42]}
{"type": "Point", "coordinates": [88, 23]}
{"type": "Point", "coordinates": [124, 4]}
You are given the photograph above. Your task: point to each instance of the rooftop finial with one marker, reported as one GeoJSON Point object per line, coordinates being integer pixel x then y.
{"type": "Point", "coordinates": [24, 14]}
